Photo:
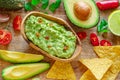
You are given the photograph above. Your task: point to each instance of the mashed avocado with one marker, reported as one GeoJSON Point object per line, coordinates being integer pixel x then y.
{"type": "Point", "coordinates": [50, 36]}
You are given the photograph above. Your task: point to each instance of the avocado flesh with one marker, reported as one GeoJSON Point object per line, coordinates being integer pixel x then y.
{"type": "Point", "coordinates": [19, 57]}
{"type": "Point", "coordinates": [24, 71]}
{"type": "Point", "coordinates": [90, 22]}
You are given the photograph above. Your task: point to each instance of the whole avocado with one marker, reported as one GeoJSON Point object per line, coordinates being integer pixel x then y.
{"type": "Point", "coordinates": [11, 4]}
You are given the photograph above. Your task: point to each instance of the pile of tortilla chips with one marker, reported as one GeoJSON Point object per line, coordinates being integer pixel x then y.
{"type": "Point", "coordinates": [97, 67]}
{"type": "Point", "coordinates": [106, 67]}
{"type": "Point", "coordinates": [112, 53]}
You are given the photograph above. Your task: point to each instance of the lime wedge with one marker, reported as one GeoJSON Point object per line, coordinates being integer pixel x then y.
{"type": "Point", "coordinates": [114, 22]}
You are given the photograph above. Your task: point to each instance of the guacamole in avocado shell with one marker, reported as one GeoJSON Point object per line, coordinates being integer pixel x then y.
{"type": "Point", "coordinates": [50, 36]}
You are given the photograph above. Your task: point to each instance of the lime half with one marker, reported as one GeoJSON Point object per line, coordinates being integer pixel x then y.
{"type": "Point", "coordinates": [114, 22]}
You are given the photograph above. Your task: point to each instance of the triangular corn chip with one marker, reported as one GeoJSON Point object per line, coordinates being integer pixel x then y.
{"type": "Point", "coordinates": [110, 52]}
{"type": "Point", "coordinates": [88, 76]}
{"type": "Point", "coordinates": [97, 66]}
{"type": "Point", "coordinates": [113, 53]}
{"type": "Point", "coordinates": [61, 70]}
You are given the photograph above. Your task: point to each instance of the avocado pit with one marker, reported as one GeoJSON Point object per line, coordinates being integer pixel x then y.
{"type": "Point", "coordinates": [82, 10]}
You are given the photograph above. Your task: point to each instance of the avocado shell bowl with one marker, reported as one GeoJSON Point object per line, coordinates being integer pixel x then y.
{"type": "Point", "coordinates": [59, 21]}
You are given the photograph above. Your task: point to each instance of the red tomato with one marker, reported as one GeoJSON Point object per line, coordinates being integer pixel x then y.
{"type": "Point", "coordinates": [17, 22]}
{"type": "Point", "coordinates": [94, 39]}
{"type": "Point", "coordinates": [105, 43]}
{"type": "Point", "coordinates": [5, 37]}
{"type": "Point", "coordinates": [82, 35]}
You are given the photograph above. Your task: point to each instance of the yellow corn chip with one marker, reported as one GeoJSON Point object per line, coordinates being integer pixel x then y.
{"type": "Point", "coordinates": [110, 52]}
{"type": "Point", "coordinates": [113, 53]}
{"type": "Point", "coordinates": [61, 70]}
{"type": "Point", "coordinates": [88, 76]}
{"type": "Point", "coordinates": [97, 66]}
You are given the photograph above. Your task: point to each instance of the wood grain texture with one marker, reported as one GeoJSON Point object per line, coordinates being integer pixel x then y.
{"type": "Point", "coordinates": [19, 44]}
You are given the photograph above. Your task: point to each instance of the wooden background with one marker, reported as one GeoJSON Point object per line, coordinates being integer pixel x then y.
{"type": "Point", "coordinates": [19, 44]}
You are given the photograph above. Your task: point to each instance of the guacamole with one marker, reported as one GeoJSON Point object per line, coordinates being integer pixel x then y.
{"type": "Point", "coordinates": [50, 36]}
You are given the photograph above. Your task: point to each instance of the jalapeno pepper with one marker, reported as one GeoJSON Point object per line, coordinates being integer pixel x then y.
{"type": "Point", "coordinates": [108, 4]}
{"type": "Point", "coordinates": [94, 39]}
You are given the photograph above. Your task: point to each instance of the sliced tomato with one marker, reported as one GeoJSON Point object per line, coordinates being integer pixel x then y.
{"type": "Point", "coordinates": [105, 43]}
{"type": "Point", "coordinates": [5, 37]}
{"type": "Point", "coordinates": [94, 39]}
{"type": "Point", "coordinates": [82, 35]}
{"type": "Point", "coordinates": [17, 22]}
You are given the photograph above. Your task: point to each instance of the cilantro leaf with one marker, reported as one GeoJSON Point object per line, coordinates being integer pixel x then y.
{"type": "Point", "coordinates": [44, 4]}
{"type": "Point", "coordinates": [103, 26]}
{"type": "Point", "coordinates": [35, 2]}
{"type": "Point", "coordinates": [54, 5]}
{"type": "Point", "coordinates": [28, 6]}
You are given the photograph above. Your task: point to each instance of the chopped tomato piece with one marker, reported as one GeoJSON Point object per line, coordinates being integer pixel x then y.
{"type": "Point", "coordinates": [47, 38]}
{"type": "Point", "coordinates": [94, 39]}
{"type": "Point", "coordinates": [5, 37]}
{"type": "Point", "coordinates": [82, 35]}
{"type": "Point", "coordinates": [105, 43]}
{"type": "Point", "coordinates": [17, 22]}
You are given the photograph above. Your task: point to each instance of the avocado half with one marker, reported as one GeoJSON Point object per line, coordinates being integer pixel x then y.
{"type": "Point", "coordinates": [24, 71]}
{"type": "Point", "coordinates": [90, 22]}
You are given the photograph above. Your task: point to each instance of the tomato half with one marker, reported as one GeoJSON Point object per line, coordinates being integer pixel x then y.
{"type": "Point", "coordinates": [5, 37]}
{"type": "Point", "coordinates": [94, 39]}
{"type": "Point", "coordinates": [17, 22]}
{"type": "Point", "coordinates": [105, 43]}
{"type": "Point", "coordinates": [82, 35]}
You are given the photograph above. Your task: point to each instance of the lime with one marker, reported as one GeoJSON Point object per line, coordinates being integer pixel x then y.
{"type": "Point", "coordinates": [114, 22]}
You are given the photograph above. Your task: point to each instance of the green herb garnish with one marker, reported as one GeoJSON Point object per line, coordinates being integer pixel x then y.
{"type": "Point", "coordinates": [28, 6]}
{"type": "Point", "coordinates": [103, 26]}
{"type": "Point", "coordinates": [35, 2]}
{"type": "Point", "coordinates": [54, 5]}
{"type": "Point", "coordinates": [44, 4]}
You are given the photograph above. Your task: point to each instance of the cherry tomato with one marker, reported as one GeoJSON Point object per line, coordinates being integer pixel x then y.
{"type": "Point", "coordinates": [105, 43]}
{"type": "Point", "coordinates": [5, 37]}
{"type": "Point", "coordinates": [82, 35]}
{"type": "Point", "coordinates": [17, 22]}
{"type": "Point", "coordinates": [94, 39]}
{"type": "Point", "coordinates": [4, 17]}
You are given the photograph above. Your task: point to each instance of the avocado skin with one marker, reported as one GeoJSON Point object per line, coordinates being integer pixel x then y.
{"type": "Point", "coordinates": [46, 67]}
{"type": "Point", "coordinates": [11, 4]}
{"type": "Point", "coordinates": [67, 5]}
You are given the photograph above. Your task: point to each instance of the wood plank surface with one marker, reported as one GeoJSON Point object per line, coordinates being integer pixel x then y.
{"type": "Point", "coordinates": [19, 44]}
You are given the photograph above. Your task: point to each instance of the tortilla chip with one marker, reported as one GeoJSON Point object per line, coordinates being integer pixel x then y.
{"type": "Point", "coordinates": [88, 76]}
{"type": "Point", "coordinates": [113, 53]}
{"type": "Point", "coordinates": [110, 52]}
{"type": "Point", "coordinates": [97, 66]}
{"type": "Point", "coordinates": [61, 70]}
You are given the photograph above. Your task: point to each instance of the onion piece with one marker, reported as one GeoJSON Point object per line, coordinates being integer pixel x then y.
{"type": "Point", "coordinates": [4, 17]}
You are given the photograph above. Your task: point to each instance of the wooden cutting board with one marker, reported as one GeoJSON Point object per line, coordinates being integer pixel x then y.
{"type": "Point", "coordinates": [19, 44]}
